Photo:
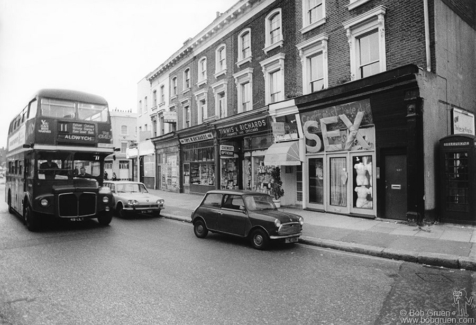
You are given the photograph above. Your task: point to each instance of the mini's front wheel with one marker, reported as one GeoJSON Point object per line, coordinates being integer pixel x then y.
{"type": "Point", "coordinates": [200, 229]}
{"type": "Point", "coordinates": [259, 239]}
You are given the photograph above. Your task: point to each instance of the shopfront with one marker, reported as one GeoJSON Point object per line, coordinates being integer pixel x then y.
{"type": "Point", "coordinates": [167, 157]}
{"type": "Point", "coordinates": [340, 158]}
{"type": "Point", "coordinates": [198, 163]}
{"type": "Point", "coordinates": [242, 147]}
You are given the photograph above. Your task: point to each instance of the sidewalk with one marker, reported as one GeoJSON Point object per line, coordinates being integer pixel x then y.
{"type": "Point", "coordinates": [446, 245]}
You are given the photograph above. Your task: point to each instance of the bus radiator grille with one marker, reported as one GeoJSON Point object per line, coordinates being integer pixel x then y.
{"type": "Point", "coordinates": [68, 205]}
{"type": "Point", "coordinates": [87, 204]}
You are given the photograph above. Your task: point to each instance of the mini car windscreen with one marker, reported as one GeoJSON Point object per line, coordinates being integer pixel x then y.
{"type": "Point", "coordinates": [259, 202]}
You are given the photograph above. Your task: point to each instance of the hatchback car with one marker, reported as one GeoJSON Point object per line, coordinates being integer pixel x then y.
{"type": "Point", "coordinates": [250, 215]}
{"type": "Point", "coordinates": [133, 198]}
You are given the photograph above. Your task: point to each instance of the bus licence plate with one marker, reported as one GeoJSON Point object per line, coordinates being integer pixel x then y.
{"type": "Point", "coordinates": [291, 240]}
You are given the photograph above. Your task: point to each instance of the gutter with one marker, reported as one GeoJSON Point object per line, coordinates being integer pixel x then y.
{"type": "Point", "coordinates": [427, 35]}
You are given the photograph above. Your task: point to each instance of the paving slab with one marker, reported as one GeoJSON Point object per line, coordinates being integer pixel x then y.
{"type": "Point", "coordinates": [457, 235]}
{"type": "Point", "coordinates": [427, 245]}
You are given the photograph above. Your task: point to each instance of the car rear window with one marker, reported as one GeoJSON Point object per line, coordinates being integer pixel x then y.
{"type": "Point", "coordinates": [212, 200]}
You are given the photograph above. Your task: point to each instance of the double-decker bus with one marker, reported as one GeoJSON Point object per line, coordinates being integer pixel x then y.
{"type": "Point", "coordinates": [55, 158]}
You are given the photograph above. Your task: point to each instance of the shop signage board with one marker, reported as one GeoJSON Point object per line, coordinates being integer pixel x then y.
{"type": "Point", "coordinates": [170, 117]}
{"type": "Point", "coordinates": [246, 128]}
{"type": "Point", "coordinates": [343, 127]}
{"type": "Point", "coordinates": [227, 148]}
{"type": "Point", "coordinates": [463, 122]}
{"type": "Point", "coordinates": [197, 138]}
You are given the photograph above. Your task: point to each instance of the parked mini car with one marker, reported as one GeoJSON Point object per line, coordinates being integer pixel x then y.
{"type": "Point", "coordinates": [133, 198]}
{"type": "Point", "coordinates": [250, 215]}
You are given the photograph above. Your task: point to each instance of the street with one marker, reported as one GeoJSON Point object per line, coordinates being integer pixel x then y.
{"type": "Point", "coordinates": [155, 271]}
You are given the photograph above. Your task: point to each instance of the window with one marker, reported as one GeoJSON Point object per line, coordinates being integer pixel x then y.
{"type": "Point", "coordinates": [202, 71]}
{"type": "Point", "coordinates": [154, 98]}
{"type": "Point", "coordinates": [33, 109]}
{"type": "Point", "coordinates": [139, 109]}
{"type": "Point", "coordinates": [186, 116]}
{"type": "Point", "coordinates": [161, 124]}
{"type": "Point", "coordinates": [244, 47]}
{"type": "Point", "coordinates": [174, 87]}
{"type": "Point", "coordinates": [220, 55]}
{"type": "Point", "coordinates": [212, 200]}
{"type": "Point", "coordinates": [355, 3]}
{"type": "Point", "coordinates": [273, 69]}
{"type": "Point", "coordinates": [366, 34]}
{"type": "Point", "coordinates": [273, 29]}
{"type": "Point", "coordinates": [154, 127]}
{"type": "Point", "coordinates": [219, 90]}
{"type": "Point", "coordinates": [124, 129]}
{"type": "Point", "coordinates": [162, 94]}
{"type": "Point", "coordinates": [201, 97]}
{"type": "Point", "coordinates": [313, 14]}
{"type": "Point", "coordinates": [123, 147]}
{"type": "Point", "coordinates": [186, 80]}
{"type": "Point", "coordinates": [313, 53]}
{"type": "Point", "coordinates": [244, 85]}
{"type": "Point", "coordinates": [145, 105]}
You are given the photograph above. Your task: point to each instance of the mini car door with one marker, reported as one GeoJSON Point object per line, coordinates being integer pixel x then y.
{"type": "Point", "coordinates": [234, 218]}
{"type": "Point", "coordinates": [210, 209]}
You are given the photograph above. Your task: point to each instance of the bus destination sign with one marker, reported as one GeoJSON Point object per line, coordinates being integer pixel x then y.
{"type": "Point", "coordinates": [76, 132]}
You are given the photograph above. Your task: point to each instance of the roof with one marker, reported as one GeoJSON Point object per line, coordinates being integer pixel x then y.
{"type": "Point", "coordinates": [236, 192]}
{"type": "Point", "coordinates": [73, 95]}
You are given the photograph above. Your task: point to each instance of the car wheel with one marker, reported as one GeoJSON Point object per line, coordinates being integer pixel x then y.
{"type": "Point", "coordinates": [200, 229]}
{"type": "Point", "coordinates": [105, 218]}
{"type": "Point", "coordinates": [120, 211]}
{"type": "Point", "coordinates": [32, 221]}
{"type": "Point", "coordinates": [259, 239]}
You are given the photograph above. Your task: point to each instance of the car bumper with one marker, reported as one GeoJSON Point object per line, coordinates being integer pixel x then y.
{"type": "Point", "coordinates": [284, 237]}
{"type": "Point", "coordinates": [140, 209]}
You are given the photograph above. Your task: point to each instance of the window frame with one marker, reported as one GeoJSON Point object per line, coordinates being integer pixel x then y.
{"type": "Point", "coordinates": [218, 88]}
{"type": "Point", "coordinates": [241, 78]}
{"type": "Point", "coordinates": [307, 25]}
{"type": "Point", "coordinates": [308, 49]}
{"type": "Point", "coordinates": [363, 25]}
{"type": "Point", "coordinates": [268, 29]}
{"type": "Point", "coordinates": [202, 95]}
{"type": "Point", "coordinates": [219, 68]}
{"type": "Point", "coordinates": [173, 88]}
{"type": "Point", "coordinates": [186, 107]}
{"type": "Point", "coordinates": [187, 82]}
{"type": "Point", "coordinates": [271, 66]}
{"type": "Point", "coordinates": [241, 58]}
{"type": "Point", "coordinates": [202, 71]}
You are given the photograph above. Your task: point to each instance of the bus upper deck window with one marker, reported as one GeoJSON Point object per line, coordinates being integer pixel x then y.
{"type": "Point", "coordinates": [92, 112]}
{"type": "Point", "coordinates": [33, 109]}
{"type": "Point", "coordinates": [57, 108]}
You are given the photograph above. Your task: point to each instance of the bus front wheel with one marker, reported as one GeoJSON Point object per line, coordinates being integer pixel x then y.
{"type": "Point", "coordinates": [105, 218]}
{"type": "Point", "coordinates": [32, 221]}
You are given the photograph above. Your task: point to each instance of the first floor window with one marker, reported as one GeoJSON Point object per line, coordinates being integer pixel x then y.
{"type": "Point", "coordinates": [275, 86]}
{"type": "Point", "coordinates": [186, 117]}
{"type": "Point", "coordinates": [246, 96]}
{"type": "Point", "coordinates": [368, 50]}
{"type": "Point", "coordinates": [221, 105]}
{"type": "Point", "coordinates": [316, 72]}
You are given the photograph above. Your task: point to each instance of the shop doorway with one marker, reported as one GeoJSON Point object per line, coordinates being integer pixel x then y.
{"type": "Point", "coordinates": [159, 177]}
{"type": "Point", "coordinates": [396, 187]}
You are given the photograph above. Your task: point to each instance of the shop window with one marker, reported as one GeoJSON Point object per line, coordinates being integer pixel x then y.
{"type": "Point", "coordinates": [338, 181]}
{"type": "Point", "coordinates": [366, 36]}
{"type": "Point", "coordinates": [362, 177]}
{"type": "Point", "coordinates": [313, 14]}
{"type": "Point", "coordinates": [229, 173]}
{"type": "Point", "coordinates": [316, 180]}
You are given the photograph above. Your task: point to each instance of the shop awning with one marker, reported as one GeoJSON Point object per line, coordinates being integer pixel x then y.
{"type": "Point", "coordinates": [283, 154]}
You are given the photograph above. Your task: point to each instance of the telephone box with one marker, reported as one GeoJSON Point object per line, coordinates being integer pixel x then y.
{"type": "Point", "coordinates": [458, 179]}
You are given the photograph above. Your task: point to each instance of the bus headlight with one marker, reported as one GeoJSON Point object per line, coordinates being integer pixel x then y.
{"type": "Point", "coordinates": [105, 199]}
{"type": "Point", "coordinates": [44, 202]}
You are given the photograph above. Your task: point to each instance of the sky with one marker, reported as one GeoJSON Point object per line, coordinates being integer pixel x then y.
{"type": "Point", "coordinates": [103, 47]}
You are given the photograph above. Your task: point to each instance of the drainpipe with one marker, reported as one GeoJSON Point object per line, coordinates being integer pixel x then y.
{"type": "Point", "coordinates": [427, 35]}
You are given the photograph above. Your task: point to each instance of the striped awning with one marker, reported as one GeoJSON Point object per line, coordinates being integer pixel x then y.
{"type": "Point", "coordinates": [283, 154]}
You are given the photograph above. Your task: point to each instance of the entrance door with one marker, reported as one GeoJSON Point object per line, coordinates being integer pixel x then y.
{"type": "Point", "coordinates": [316, 182]}
{"type": "Point", "coordinates": [159, 177]}
{"type": "Point", "coordinates": [396, 187]}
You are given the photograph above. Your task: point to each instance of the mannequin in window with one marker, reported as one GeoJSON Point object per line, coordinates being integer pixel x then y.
{"type": "Point", "coordinates": [361, 178]}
